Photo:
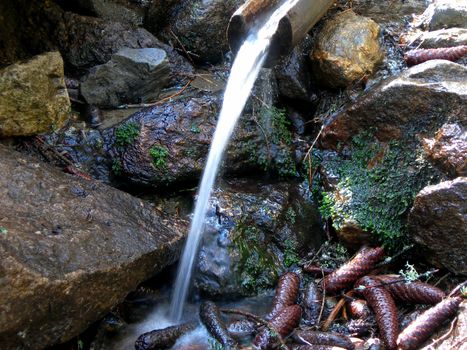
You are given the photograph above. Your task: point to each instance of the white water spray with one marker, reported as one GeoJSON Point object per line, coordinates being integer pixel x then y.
{"type": "Point", "coordinates": [245, 70]}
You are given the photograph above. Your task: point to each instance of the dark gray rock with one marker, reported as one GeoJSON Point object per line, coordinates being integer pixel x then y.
{"type": "Point", "coordinates": [446, 14]}
{"type": "Point", "coordinates": [71, 249]}
{"type": "Point", "coordinates": [254, 230]}
{"type": "Point", "coordinates": [125, 11]}
{"type": "Point", "coordinates": [294, 73]}
{"type": "Point", "coordinates": [159, 13]}
{"type": "Point", "coordinates": [200, 26]}
{"type": "Point", "coordinates": [131, 76]}
{"type": "Point", "coordinates": [438, 224]}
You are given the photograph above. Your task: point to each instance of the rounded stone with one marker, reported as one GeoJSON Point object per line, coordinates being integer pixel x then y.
{"type": "Point", "coordinates": [347, 49]}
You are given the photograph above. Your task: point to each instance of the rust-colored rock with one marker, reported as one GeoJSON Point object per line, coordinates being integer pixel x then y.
{"type": "Point", "coordinates": [448, 149]}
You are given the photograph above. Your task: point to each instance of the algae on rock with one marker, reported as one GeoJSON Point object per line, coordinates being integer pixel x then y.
{"type": "Point", "coordinates": [377, 183]}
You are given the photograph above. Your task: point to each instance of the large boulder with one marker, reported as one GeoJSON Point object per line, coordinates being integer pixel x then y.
{"type": "Point", "coordinates": [438, 224]}
{"type": "Point", "coordinates": [33, 96]}
{"type": "Point", "coordinates": [346, 49]}
{"type": "Point", "coordinates": [253, 232]}
{"type": "Point", "coordinates": [131, 76]}
{"type": "Point", "coordinates": [375, 161]}
{"type": "Point", "coordinates": [168, 144]}
{"type": "Point", "coordinates": [70, 249]}
{"type": "Point", "coordinates": [200, 26]}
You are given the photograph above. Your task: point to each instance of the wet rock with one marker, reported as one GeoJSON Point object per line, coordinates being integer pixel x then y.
{"type": "Point", "coordinates": [439, 38]}
{"type": "Point", "coordinates": [200, 26]}
{"type": "Point", "coordinates": [346, 49]}
{"type": "Point", "coordinates": [33, 96]}
{"type": "Point", "coordinates": [446, 14]}
{"type": "Point", "coordinates": [131, 76]}
{"type": "Point", "coordinates": [423, 97]}
{"type": "Point", "coordinates": [168, 144]}
{"type": "Point", "coordinates": [437, 224]}
{"type": "Point", "coordinates": [71, 249]}
{"type": "Point", "coordinates": [294, 73]}
{"type": "Point", "coordinates": [448, 149]}
{"type": "Point", "coordinates": [379, 164]}
{"type": "Point", "coordinates": [254, 230]}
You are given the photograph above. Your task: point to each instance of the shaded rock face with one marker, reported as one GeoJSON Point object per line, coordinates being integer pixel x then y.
{"type": "Point", "coordinates": [158, 14]}
{"type": "Point", "coordinates": [131, 76]}
{"type": "Point", "coordinates": [448, 149]}
{"type": "Point", "coordinates": [438, 223]}
{"type": "Point", "coordinates": [33, 96]}
{"type": "Point", "coordinates": [346, 49]}
{"type": "Point", "coordinates": [69, 250]}
{"type": "Point", "coordinates": [294, 73]}
{"type": "Point", "coordinates": [125, 11]}
{"type": "Point", "coordinates": [378, 163]}
{"type": "Point", "coordinates": [446, 14]}
{"type": "Point", "coordinates": [253, 231]}
{"type": "Point", "coordinates": [201, 26]}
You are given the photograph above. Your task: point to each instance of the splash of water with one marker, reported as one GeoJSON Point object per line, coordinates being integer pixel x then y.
{"type": "Point", "coordinates": [245, 70]}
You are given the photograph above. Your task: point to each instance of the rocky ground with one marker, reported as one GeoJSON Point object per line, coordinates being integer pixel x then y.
{"type": "Point", "coordinates": [107, 109]}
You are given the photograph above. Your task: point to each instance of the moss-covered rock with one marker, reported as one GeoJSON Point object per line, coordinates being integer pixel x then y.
{"type": "Point", "coordinates": [254, 232]}
{"type": "Point", "coordinates": [33, 96]}
{"type": "Point", "coordinates": [375, 161]}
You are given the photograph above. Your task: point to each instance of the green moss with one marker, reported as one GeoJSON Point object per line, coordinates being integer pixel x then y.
{"type": "Point", "coordinates": [291, 215]}
{"type": "Point", "coordinates": [275, 152]}
{"type": "Point", "coordinates": [159, 156]}
{"type": "Point", "coordinates": [257, 268]}
{"type": "Point", "coordinates": [116, 166]}
{"type": "Point", "coordinates": [126, 134]}
{"type": "Point", "coordinates": [377, 185]}
{"type": "Point", "coordinates": [290, 254]}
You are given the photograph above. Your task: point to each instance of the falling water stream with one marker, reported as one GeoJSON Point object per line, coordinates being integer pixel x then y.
{"type": "Point", "coordinates": [245, 70]}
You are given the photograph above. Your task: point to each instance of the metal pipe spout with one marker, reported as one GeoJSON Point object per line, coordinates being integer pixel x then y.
{"type": "Point", "coordinates": [292, 27]}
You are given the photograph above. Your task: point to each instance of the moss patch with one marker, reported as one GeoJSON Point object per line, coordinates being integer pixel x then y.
{"type": "Point", "coordinates": [258, 268]}
{"type": "Point", "coordinates": [275, 155]}
{"type": "Point", "coordinates": [159, 156]}
{"type": "Point", "coordinates": [126, 134]}
{"type": "Point", "coordinates": [377, 185]}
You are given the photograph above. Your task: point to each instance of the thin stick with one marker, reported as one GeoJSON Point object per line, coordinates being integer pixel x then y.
{"type": "Point", "coordinates": [444, 336]}
{"type": "Point", "coordinates": [332, 316]}
{"type": "Point", "coordinates": [323, 300]}
{"type": "Point", "coordinates": [441, 279]}
{"type": "Point", "coordinates": [389, 260]}
{"type": "Point", "coordinates": [142, 105]}
{"type": "Point", "coordinates": [257, 319]}
{"type": "Point", "coordinates": [183, 47]}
